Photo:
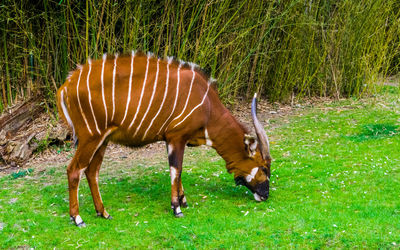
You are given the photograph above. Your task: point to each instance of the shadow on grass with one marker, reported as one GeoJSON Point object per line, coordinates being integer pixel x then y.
{"type": "Point", "coordinates": [374, 132]}
{"type": "Point", "coordinates": [156, 188]}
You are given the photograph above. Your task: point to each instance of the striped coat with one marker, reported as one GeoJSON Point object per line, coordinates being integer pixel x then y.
{"type": "Point", "coordinates": [138, 99]}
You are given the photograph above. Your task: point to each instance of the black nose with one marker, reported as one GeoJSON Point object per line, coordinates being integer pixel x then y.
{"type": "Point", "coordinates": [263, 190]}
{"type": "Point", "coordinates": [264, 197]}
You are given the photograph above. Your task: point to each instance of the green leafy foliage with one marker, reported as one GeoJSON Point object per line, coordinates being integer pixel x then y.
{"type": "Point", "coordinates": [21, 173]}
{"type": "Point", "coordinates": [278, 48]}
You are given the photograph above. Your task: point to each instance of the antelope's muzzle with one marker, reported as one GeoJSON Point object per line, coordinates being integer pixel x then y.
{"type": "Point", "coordinates": [261, 191]}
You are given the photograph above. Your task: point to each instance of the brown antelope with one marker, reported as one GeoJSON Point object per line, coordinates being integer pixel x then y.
{"type": "Point", "coordinates": [139, 99]}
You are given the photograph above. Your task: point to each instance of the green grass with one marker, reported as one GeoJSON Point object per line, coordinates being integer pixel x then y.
{"type": "Point", "coordinates": [335, 184]}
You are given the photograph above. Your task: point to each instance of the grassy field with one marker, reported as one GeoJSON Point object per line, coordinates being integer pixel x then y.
{"type": "Point", "coordinates": [335, 183]}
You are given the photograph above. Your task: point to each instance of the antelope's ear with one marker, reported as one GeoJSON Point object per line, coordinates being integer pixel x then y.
{"type": "Point", "coordinates": [250, 144]}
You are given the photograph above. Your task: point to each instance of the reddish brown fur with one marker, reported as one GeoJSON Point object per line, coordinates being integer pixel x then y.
{"type": "Point", "coordinates": [226, 134]}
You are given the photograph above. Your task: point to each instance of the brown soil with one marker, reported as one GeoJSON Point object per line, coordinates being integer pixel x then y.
{"type": "Point", "coordinates": [53, 156]}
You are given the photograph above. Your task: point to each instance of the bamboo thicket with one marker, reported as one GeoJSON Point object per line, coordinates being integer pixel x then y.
{"type": "Point", "coordinates": [279, 48]}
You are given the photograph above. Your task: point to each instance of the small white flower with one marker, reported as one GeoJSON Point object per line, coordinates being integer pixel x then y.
{"type": "Point", "coordinates": [334, 225]}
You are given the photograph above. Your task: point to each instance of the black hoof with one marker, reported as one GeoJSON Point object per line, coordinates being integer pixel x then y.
{"type": "Point", "coordinates": [179, 215]}
{"type": "Point", "coordinates": [108, 217]}
{"type": "Point", "coordinates": [82, 224]}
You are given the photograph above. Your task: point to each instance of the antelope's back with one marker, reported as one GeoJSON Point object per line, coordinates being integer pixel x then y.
{"type": "Point", "coordinates": [140, 97]}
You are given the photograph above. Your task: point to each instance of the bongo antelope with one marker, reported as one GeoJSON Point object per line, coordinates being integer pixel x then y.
{"type": "Point", "coordinates": [138, 99]}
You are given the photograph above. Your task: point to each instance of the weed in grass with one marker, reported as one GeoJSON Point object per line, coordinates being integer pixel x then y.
{"type": "Point", "coordinates": [21, 173]}
{"type": "Point", "coordinates": [375, 131]}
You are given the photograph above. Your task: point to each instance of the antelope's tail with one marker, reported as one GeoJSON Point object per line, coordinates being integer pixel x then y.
{"type": "Point", "coordinates": [62, 106]}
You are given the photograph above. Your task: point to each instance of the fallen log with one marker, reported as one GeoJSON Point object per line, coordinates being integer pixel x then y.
{"type": "Point", "coordinates": [22, 129]}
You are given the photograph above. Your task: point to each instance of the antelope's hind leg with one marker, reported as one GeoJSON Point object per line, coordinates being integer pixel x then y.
{"type": "Point", "coordinates": [92, 176]}
{"type": "Point", "coordinates": [74, 176]}
{"type": "Point", "coordinates": [82, 160]}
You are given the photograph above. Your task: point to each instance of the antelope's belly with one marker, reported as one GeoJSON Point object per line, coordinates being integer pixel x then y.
{"type": "Point", "coordinates": [128, 139]}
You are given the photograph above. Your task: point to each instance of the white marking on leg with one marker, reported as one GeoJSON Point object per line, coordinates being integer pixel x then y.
{"type": "Point", "coordinates": [129, 90]}
{"type": "Point", "coordinates": [79, 102]}
{"type": "Point", "coordinates": [178, 210]}
{"type": "Point", "coordinates": [113, 86]}
{"type": "Point", "coordinates": [201, 103]}
{"type": "Point", "coordinates": [97, 184]}
{"type": "Point", "coordinates": [170, 149]}
{"type": "Point", "coordinates": [162, 103]}
{"type": "Point", "coordinates": [208, 140]}
{"type": "Point", "coordinates": [143, 87]}
{"type": "Point", "coordinates": [78, 220]}
{"type": "Point", "coordinates": [176, 98]}
{"type": "Point", "coordinates": [173, 174]}
{"type": "Point", "coordinates": [102, 89]}
{"type": "Point", "coordinates": [252, 174]}
{"type": "Point", "coordinates": [151, 100]}
{"type": "Point", "coordinates": [90, 96]}
{"type": "Point", "coordinates": [188, 97]}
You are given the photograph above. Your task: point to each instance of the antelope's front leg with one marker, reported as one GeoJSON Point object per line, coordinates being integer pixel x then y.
{"type": "Point", "coordinates": [175, 158]}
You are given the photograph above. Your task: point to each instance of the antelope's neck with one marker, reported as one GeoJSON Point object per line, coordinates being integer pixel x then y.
{"type": "Point", "coordinates": [227, 135]}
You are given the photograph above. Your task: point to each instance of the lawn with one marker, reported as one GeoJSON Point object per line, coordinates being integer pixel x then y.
{"type": "Point", "coordinates": [335, 183]}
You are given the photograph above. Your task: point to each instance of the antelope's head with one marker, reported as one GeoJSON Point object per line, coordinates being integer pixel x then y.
{"type": "Point", "coordinates": [255, 171]}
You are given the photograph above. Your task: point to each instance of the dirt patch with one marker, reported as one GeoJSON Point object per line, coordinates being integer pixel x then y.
{"type": "Point", "coordinates": [156, 152]}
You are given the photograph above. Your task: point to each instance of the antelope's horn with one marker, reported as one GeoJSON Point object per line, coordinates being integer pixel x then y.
{"type": "Point", "coordinates": [261, 135]}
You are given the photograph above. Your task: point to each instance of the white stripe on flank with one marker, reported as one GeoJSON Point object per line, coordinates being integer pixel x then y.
{"type": "Point", "coordinates": [204, 98]}
{"type": "Point", "coordinates": [90, 96]}
{"type": "Point", "coordinates": [187, 99]}
{"type": "Point", "coordinates": [143, 87]}
{"type": "Point", "coordinates": [162, 103]}
{"type": "Point", "coordinates": [151, 99]}
{"type": "Point", "coordinates": [79, 102]}
{"type": "Point", "coordinates": [107, 133]}
{"type": "Point", "coordinates": [102, 89]}
{"type": "Point", "coordinates": [130, 87]}
{"type": "Point", "coordinates": [113, 86]}
{"type": "Point", "coordinates": [65, 111]}
{"type": "Point", "coordinates": [176, 98]}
